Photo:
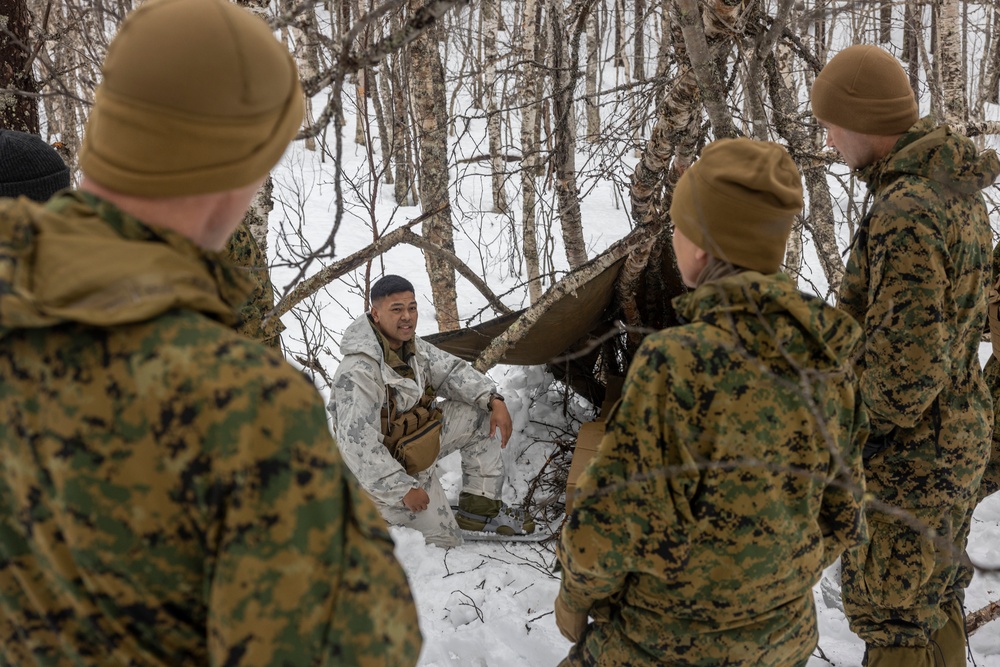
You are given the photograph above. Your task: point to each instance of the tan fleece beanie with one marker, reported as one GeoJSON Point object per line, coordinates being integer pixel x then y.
{"type": "Point", "coordinates": [738, 202]}
{"type": "Point", "coordinates": [198, 96]}
{"type": "Point", "coordinates": [864, 89]}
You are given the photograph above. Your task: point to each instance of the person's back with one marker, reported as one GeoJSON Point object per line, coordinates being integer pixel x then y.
{"type": "Point", "coordinates": [169, 490]}
{"type": "Point", "coordinates": [730, 473]}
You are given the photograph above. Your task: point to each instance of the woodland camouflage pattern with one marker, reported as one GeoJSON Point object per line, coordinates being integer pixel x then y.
{"type": "Point", "coordinates": [169, 491]}
{"type": "Point", "coordinates": [916, 281]}
{"type": "Point", "coordinates": [243, 251]}
{"type": "Point", "coordinates": [729, 477]}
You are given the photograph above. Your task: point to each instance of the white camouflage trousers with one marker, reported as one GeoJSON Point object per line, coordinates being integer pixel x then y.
{"type": "Point", "coordinates": [464, 428]}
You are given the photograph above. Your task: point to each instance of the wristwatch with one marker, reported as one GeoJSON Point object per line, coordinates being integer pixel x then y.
{"type": "Point", "coordinates": [494, 396]}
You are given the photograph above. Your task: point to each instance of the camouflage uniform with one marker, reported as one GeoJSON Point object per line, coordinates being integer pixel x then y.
{"type": "Point", "coordinates": [169, 494]}
{"type": "Point", "coordinates": [360, 390]}
{"type": "Point", "coordinates": [915, 281]}
{"type": "Point", "coordinates": [729, 477]}
{"type": "Point", "coordinates": [991, 476]}
{"type": "Point", "coordinates": [243, 251]}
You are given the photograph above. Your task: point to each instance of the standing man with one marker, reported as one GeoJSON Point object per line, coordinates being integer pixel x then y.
{"type": "Point", "coordinates": [730, 473]}
{"type": "Point", "coordinates": [915, 280]}
{"type": "Point", "coordinates": [391, 429]}
{"type": "Point", "coordinates": [169, 491]}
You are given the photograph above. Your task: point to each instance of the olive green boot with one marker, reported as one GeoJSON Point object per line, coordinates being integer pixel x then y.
{"type": "Point", "coordinates": [950, 639]}
{"type": "Point", "coordinates": [483, 514]}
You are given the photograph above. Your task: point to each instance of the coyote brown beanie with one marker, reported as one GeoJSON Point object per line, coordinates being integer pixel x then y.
{"type": "Point", "coordinates": [198, 96]}
{"type": "Point", "coordinates": [30, 167]}
{"type": "Point", "coordinates": [738, 202]}
{"type": "Point", "coordinates": [864, 89]}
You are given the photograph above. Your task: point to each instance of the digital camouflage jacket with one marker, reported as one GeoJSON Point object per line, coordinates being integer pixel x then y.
{"type": "Point", "coordinates": [729, 477]}
{"type": "Point", "coordinates": [169, 491]}
{"type": "Point", "coordinates": [991, 373]}
{"type": "Point", "coordinates": [360, 389]}
{"type": "Point", "coordinates": [244, 253]}
{"type": "Point", "coordinates": [916, 281]}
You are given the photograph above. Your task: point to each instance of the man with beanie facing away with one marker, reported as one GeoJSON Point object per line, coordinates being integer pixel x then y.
{"type": "Point", "coordinates": [29, 167]}
{"type": "Point", "coordinates": [169, 490]}
{"type": "Point", "coordinates": [730, 473]}
{"type": "Point", "coordinates": [915, 280]}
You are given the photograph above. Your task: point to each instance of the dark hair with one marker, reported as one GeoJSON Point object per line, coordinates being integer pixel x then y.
{"type": "Point", "coordinates": [390, 284]}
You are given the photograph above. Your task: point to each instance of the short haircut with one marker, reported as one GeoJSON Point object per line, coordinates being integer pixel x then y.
{"type": "Point", "coordinates": [390, 284]}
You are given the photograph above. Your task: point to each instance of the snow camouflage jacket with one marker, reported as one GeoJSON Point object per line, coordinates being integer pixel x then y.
{"type": "Point", "coordinates": [360, 388]}
{"type": "Point", "coordinates": [169, 491]}
{"type": "Point", "coordinates": [729, 477]}
{"type": "Point", "coordinates": [916, 280]}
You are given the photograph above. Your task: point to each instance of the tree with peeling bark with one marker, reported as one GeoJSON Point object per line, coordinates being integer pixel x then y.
{"type": "Point", "coordinates": [427, 92]}
{"type": "Point", "coordinates": [18, 101]}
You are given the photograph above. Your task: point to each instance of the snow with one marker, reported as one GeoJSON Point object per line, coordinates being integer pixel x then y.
{"type": "Point", "coordinates": [489, 604]}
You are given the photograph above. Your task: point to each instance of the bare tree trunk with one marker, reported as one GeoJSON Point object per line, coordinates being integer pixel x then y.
{"type": "Point", "coordinates": [497, 176]}
{"type": "Point", "coordinates": [18, 110]}
{"type": "Point", "coordinates": [951, 65]}
{"type": "Point", "coordinates": [703, 61]}
{"type": "Point", "coordinates": [305, 38]}
{"type": "Point", "coordinates": [819, 221]}
{"type": "Point", "coordinates": [384, 129]}
{"type": "Point", "coordinates": [402, 139]}
{"type": "Point", "coordinates": [638, 44]}
{"type": "Point", "coordinates": [593, 68]}
{"type": "Point", "coordinates": [430, 111]}
{"type": "Point", "coordinates": [911, 51]}
{"type": "Point", "coordinates": [530, 145]}
{"type": "Point", "coordinates": [991, 92]}
{"type": "Point", "coordinates": [256, 215]}
{"type": "Point", "coordinates": [885, 22]}
{"type": "Point", "coordinates": [564, 139]}
{"type": "Point", "coordinates": [619, 14]}
{"type": "Point", "coordinates": [361, 120]}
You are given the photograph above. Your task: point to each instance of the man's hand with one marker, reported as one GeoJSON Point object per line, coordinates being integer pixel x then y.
{"type": "Point", "coordinates": [416, 500]}
{"type": "Point", "coordinates": [572, 624]}
{"type": "Point", "coordinates": [500, 419]}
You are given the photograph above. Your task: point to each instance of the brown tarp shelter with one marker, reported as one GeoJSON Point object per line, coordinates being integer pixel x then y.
{"type": "Point", "coordinates": [572, 323]}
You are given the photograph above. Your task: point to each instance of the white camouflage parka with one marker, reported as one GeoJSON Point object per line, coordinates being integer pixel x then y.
{"type": "Point", "coordinates": [360, 388]}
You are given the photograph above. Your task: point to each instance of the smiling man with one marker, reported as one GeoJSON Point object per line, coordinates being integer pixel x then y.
{"type": "Point", "coordinates": [392, 429]}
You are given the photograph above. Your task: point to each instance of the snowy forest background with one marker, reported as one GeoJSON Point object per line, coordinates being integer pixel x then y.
{"type": "Point", "coordinates": [496, 153]}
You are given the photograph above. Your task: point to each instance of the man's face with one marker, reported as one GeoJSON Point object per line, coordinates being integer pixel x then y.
{"type": "Point", "coordinates": [395, 316]}
{"type": "Point", "coordinates": [858, 150]}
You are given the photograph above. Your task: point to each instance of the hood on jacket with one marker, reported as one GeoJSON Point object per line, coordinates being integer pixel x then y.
{"type": "Point", "coordinates": [772, 318]}
{"type": "Point", "coordinates": [79, 259]}
{"type": "Point", "coordinates": [359, 338]}
{"type": "Point", "coordinates": [936, 153]}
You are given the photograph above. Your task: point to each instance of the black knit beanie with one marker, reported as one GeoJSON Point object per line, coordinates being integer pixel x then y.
{"type": "Point", "coordinates": [30, 167]}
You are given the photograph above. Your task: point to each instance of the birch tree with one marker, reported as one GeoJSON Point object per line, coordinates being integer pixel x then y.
{"type": "Point", "coordinates": [427, 93]}
{"type": "Point", "coordinates": [530, 150]}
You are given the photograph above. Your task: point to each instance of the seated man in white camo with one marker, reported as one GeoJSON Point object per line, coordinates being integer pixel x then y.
{"type": "Point", "coordinates": [392, 429]}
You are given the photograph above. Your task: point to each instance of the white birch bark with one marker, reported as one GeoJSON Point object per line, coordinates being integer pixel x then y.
{"type": "Point", "coordinates": [529, 145]}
